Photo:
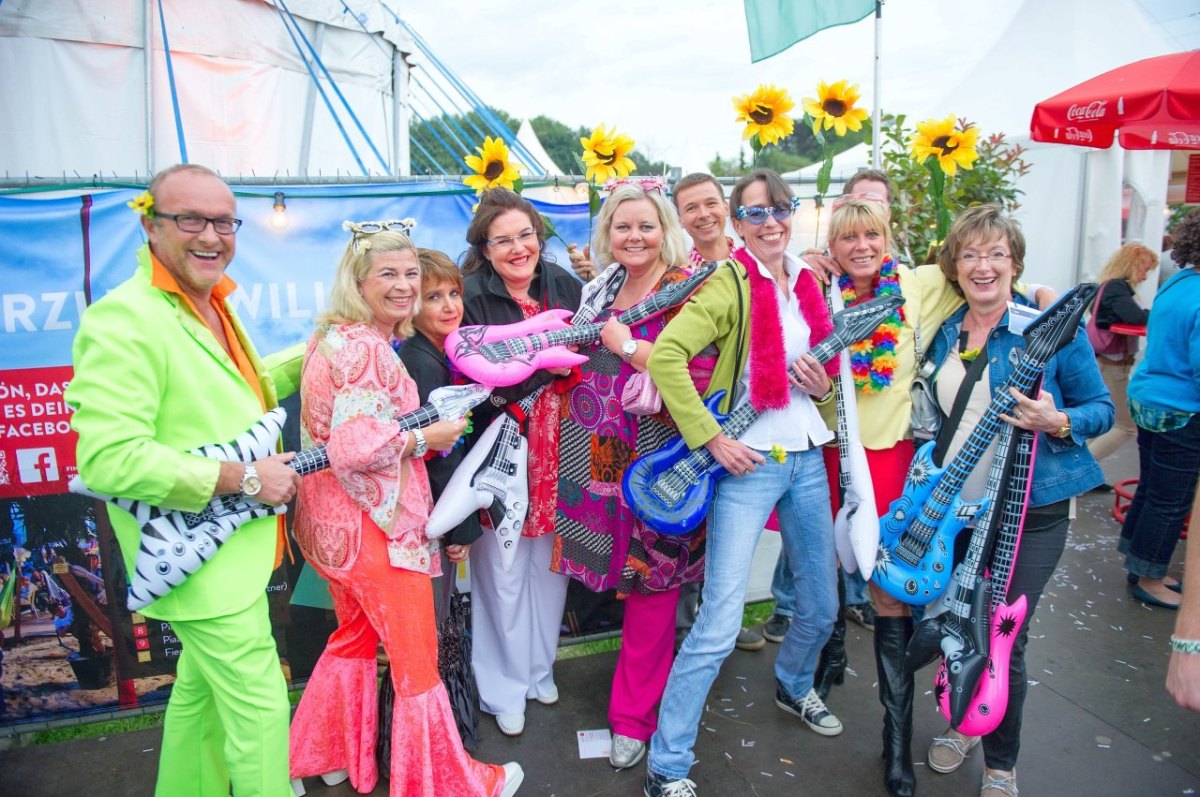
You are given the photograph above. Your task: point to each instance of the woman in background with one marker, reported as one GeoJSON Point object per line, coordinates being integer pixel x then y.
{"type": "Point", "coordinates": [1116, 304]}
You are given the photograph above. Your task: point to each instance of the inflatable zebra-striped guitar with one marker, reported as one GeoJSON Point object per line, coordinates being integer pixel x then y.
{"type": "Point", "coordinates": [175, 544]}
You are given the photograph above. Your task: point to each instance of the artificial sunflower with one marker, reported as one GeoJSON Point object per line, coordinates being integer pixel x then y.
{"type": "Point", "coordinates": [492, 167]}
{"type": "Point", "coordinates": [143, 204]}
{"type": "Point", "coordinates": [605, 155]}
{"type": "Point", "coordinates": [835, 107]}
{"type": "Point", "coordinates": [764, 114]}
{"type": "Point", "coordinates": [953, 145]}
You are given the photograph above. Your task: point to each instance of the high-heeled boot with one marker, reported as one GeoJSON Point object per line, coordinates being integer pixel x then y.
{"type": "Point", "coordinates": [896, 694]}
{"type": "Point", "coordinates": [831, 667]}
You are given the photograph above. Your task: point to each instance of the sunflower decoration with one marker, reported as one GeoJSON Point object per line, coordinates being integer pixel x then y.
{"type": "Point", "coordinates": [492, 167]}
{"type": "Point", "coordinates": [951, 142]}
{"type": "Point", "coordinates": [606, 155]}
{"type": "Point", "coordinates": [835, 107]}
{"type": "Point", "coordinates": [764, 112]}
{"type": "Point", "coordinates": [143, 204]}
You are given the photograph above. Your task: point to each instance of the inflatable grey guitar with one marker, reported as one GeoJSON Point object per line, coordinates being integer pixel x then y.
{"type": "Point", "coordinates": [175, 544]}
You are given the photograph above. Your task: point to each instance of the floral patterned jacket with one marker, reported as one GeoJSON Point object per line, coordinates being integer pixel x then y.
{"type": "Point", "coordinates": [352, 390]}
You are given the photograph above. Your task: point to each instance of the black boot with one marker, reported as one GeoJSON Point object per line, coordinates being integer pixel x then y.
{"type": "Point", "coordinates": [831, 667]}
{"type": "Point", "coordinates": [896, 694]}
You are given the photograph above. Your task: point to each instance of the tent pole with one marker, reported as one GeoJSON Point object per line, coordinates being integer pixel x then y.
{"type": "Point", "coordinates": [310, 100]}
{"type": "Point", "coordinates": [876, 116]}
{"type": "Point", "coordinates": [401, 150]}
{"type": "Point", "coordinates": [147, 87]}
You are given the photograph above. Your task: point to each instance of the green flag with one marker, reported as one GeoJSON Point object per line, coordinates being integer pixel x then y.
{"type": "Point", "coordinates": [776, 25]}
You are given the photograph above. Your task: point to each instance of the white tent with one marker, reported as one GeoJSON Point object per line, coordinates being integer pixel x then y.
{"type": "Point", "coordinates": [82, 94]}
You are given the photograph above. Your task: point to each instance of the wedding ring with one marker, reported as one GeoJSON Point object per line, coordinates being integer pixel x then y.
{"type": "Point", "coordinates": [1017, 413]}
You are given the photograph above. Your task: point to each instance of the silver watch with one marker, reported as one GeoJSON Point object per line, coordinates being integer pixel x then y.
{"type": "Point", "coordinates": [251, 484]}
{"type": "Point", "coordinates": [629, 348]}
{"type": "Point", "coordinates": [422, 446]}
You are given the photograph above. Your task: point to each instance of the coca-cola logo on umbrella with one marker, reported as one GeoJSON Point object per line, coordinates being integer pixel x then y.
{"type": "Point", "coordinates": [1093, 110]}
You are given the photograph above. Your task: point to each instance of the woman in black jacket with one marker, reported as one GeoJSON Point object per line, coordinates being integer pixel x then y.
{"type": "Point", "coordinates": [516, 613]}
{"type": "Point", "coordinates": [1116, 304]}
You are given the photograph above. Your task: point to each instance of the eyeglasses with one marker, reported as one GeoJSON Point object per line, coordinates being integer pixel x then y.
{"type": "Point", "coordinates": [189, 223]}
{"type": "Point", "coordinates": [757, 215]}
{"type": "Point", "coordinates": [995, 258]}
{"type": "Point", "coordinates": [508, 242]}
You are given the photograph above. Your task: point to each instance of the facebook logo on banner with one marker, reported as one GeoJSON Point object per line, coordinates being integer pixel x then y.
{"type": "Point", "coordinates": [36, 465]}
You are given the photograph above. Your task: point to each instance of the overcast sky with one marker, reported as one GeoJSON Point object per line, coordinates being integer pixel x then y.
{"type": "Point", "coordinates": [664, 72]}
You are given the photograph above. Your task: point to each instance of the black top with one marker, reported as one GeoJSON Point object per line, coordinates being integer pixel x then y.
{"type": "Point", "coordinates": [429, 369]}
{"type": "Point", "coordinates": [487, 301]}
{"type": "Point", "coordinates": [1118, 306]}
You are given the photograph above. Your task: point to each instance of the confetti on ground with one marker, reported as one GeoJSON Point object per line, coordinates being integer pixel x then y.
{"type": "Point", "coordinates": [747, 743]}
{"type": "Point", "coordinates": [789, 774]}
{"type": "Point", "coordinates": [768, 774]}
{"type": "Point", "coordinates": [787, 761]}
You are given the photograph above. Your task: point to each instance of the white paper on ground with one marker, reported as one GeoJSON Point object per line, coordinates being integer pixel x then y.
{"type": "Point", "coordinates": [594, 744]}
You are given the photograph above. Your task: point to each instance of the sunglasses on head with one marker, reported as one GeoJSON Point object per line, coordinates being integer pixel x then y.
{"type": "Point", "coordinates": [757, 215]}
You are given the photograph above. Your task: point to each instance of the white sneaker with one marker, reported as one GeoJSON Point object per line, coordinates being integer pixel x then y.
{"type": "Point", "coordinates": [549, 697]}
{"type": "Point", "coordinates": [513, 775]}
{"type": "Point", "coordinates": [298, 787]}
{"type": "Point", "coordinates": [335, 777]}
{"type": "Point", "coordinates": [511, 724]}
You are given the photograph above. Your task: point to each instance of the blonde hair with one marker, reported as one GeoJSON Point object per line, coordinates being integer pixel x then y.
{"type": "Point", "coordinates": [673, 250]}
{"type": "Point", "coordinates": [853, 213]}
{"type": "Point", "coordinates": [1123, 264]}
{"type": "Point", "coordinates": [346, 304]}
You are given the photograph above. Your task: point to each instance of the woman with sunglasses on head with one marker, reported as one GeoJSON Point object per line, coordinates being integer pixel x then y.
{"type": "Point", "coordinates": [361, 525]}
{"type": "Point", "coordinates": [763, 310]}
{"type": "Point", "coordinates": [517, 613]}
{"type": "Point", "coordinates": [598, 539]}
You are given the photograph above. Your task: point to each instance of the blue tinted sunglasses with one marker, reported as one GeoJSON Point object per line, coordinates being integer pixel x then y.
{"type": "Point", "coordinates": [757, 215]}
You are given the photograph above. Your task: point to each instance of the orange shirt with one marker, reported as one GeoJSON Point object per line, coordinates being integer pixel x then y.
{"type": "Point", "coordinates": [165, 281]}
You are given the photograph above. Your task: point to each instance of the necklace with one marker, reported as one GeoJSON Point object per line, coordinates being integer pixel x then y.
{"type": "Point", "coordinates": [873, 361]}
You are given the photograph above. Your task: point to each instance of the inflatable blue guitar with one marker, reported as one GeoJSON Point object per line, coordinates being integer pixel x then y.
{"type": "Point", "coordinates": [669, 490]}
{"type": "Point", "coordinates": [916, 536]}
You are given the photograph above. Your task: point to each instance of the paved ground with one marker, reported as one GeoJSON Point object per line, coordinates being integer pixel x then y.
{"type": "Point", "coordinates": [1097, 720]}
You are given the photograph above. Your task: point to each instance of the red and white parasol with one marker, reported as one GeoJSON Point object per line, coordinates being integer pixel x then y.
{"type": "Point", "coordinates": [1150, 104]}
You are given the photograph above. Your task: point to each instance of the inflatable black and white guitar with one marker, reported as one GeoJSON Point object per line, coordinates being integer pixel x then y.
{"type": "Point", "coordinates": [175, 544]}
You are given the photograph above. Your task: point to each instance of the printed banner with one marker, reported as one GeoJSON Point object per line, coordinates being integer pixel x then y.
{"type": "Point", "coordinates": [37, 446]}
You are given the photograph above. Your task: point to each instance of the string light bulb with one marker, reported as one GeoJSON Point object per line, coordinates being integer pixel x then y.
{"type": "Point", "coordinates": [279, 218]}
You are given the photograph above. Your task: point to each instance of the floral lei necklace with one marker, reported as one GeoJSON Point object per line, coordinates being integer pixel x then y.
{"type": "Point", "coordinates": [873, 361]}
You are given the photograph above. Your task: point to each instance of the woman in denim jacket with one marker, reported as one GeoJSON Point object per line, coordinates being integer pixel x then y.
{"type": "Point", "coordinates": [983, 255]}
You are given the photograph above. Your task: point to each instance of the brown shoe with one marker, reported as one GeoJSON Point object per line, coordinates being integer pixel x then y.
{"type": "Point", "coordinates": [999, 785]}
{"type": "Point", "coordinates": [948, 752]}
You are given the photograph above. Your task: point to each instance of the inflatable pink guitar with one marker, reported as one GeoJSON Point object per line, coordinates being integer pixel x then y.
{"type": "Point", "coordinates": [979, 711]}
{"type": "Point", "coordinates": [506, 354]}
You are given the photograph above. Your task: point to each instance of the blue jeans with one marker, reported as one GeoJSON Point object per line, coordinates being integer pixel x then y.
{"type": "Point", "coordinates": [785, 596]}
{"type": "Point", "coordinates": [740, 508]}
{"type": "Point", "coordinates": [1170, 462]}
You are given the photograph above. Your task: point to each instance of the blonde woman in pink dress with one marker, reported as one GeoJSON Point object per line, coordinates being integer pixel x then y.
{"type": "Point", "coordinates": [361, 525]}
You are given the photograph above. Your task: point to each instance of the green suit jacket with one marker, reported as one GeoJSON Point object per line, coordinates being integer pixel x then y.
{"type": "Point", "coordinates": [151, 383]}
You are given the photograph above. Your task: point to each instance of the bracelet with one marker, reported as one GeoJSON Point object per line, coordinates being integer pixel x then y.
{"type": "Point", "coordinates": [824, 398]}
{"type": "Point", "coordinates": [1185, 645]}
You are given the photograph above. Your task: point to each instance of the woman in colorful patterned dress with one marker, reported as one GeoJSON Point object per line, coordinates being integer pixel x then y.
{"type": "Point", "coordinates": [598, 540]}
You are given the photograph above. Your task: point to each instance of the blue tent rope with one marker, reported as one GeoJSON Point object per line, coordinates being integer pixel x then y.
{"type": "Point", "coordinates": [317, 83]}
{"type": "Point", "coordinates": [333, 84]}
{"type": "Point", "coordinates": [162, 19]}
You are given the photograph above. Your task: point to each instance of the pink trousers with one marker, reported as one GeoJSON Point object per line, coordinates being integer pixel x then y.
{"type": "Point", "coordinates": [336, 723]}
{"type": "Point", "coordinates": [647, 651]}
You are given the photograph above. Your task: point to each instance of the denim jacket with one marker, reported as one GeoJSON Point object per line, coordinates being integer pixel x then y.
{"type": "Point", "coordinates": [1063, 467]}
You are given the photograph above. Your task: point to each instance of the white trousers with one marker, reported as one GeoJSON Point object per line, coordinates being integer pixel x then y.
{"type": "Point", "coordinates": [515, 621]}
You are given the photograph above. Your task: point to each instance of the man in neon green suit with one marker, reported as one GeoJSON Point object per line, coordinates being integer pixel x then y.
{"type": "Point", "coordinates": [163, 366]}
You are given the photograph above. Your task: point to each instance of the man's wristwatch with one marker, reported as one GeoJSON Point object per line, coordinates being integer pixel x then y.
{"type": "Point", "coordinates": [421, 447]}
{"type": "Point", "coordinates": [251, 484]}
{"type": "Point", "coordinates": [629, 348]}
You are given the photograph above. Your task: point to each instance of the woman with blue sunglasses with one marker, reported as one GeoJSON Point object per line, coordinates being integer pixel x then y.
{"type": "Point", "coordinates": [764, 310]}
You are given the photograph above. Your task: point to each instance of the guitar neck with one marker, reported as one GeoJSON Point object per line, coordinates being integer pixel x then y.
{"type": "Point", "coordinates": [311, 460]}
{"type": "Point", "coordinates": [1008, 532]}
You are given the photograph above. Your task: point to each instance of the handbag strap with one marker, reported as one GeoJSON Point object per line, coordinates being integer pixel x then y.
{"type": "Point", "coordinates": [950, 424]}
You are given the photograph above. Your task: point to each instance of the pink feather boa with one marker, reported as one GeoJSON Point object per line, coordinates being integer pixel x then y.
{"type": "Point", "coordinates": [768, 361]}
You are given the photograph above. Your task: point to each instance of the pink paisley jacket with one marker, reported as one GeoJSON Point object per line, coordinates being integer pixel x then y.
{"type": "Point", "coordinates": [352, 390]}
